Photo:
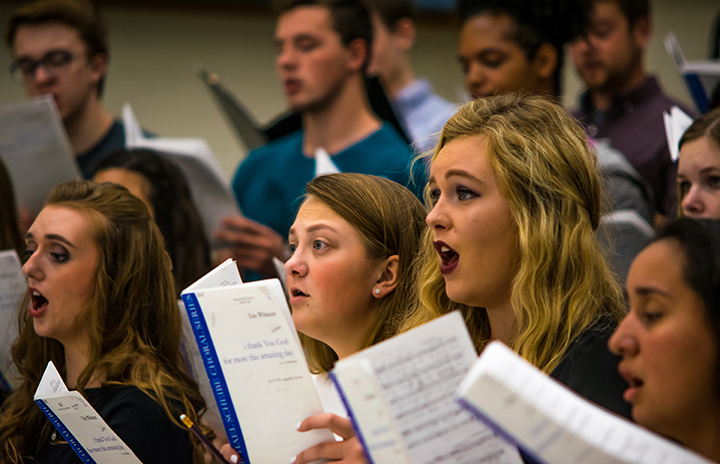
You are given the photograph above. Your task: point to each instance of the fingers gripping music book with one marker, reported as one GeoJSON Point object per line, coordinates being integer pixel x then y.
{"type": "Point", "coordinates": [400, 397]}
{"type": "Point", "coordinates": [79, 424]}
{"type": "Point", "coordinates": [552, 422]}
{"type": "Point", "coordinates": [256, 367]}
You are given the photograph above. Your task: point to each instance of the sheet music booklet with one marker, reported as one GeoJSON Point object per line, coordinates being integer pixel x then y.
{"type": "Point", "coordinates": [79, 424]}
{"type": "Point", "coordinates": [676, 123]}
{"type": "Point", "coordinates": [36, 151]}
{"type": "Point", "coordinates": [552, 422]}
{"type": "Point", "coordinates": [400, 397]}
{"type": "Point", "coordinates": [222, 276]}
{"type": "Point", "coordinates": [13, 287]}
{"type": "Point", "coordinates": [702, 78]}
{"type": "Point", "coordinates": [255, 365]}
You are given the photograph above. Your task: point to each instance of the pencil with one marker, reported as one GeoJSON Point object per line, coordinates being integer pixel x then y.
{"type": "Point", "coordinates": [208, 444]}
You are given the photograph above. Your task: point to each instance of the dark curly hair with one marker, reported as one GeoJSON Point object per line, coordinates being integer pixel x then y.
{"type": "Point", "coordinates": [176, 215]}
{"type": "Point", "coordinates": [556, 22]}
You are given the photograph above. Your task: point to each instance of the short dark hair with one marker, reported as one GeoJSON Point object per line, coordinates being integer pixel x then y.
{"type": "Point", "coordinates": [176, 215]}
{"type": "Point", "coordinates": [350, 18]}
{"type": "Point", "coordinates": [699, 240]}
{"type": "Point", "coordinates": [556, 22]}
{"type": "Point", "coordinates": [392, 11]}
{"type": "Point", "coordinates": [81, 15]}
{"type": "Point", "coordinates": [631, 9]}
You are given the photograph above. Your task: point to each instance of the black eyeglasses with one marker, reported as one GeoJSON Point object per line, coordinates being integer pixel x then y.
{"type": "Point", "coordinates": [56, 63]}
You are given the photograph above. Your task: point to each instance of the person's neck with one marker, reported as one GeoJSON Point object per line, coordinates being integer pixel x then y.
{"type": "Point", "coordinates": [340, 124]}
{"type": "Point", "coordinates": [546, 88]}
{"type": "Point", "coordinates": [401, 76]}
{"type": "Point", "coordinates": [502, 322]}
{"type": "Point", "coordinates": [350, 343]}
{"type": "Point", "coordinates": [86, 128]}
{"type": "Point", "coordinates": [602, 97]}
{"type": "Point", "coordinates": [76, 359]}
{"type": "Point", "coordinates": [701, 436]}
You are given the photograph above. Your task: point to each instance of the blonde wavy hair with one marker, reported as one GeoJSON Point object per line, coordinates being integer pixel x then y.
{"type": "Point", "coordinates": [390, 220]}
{"type": "Point", "coordinates": [133, 318]}
{"type": "Point", "coordinates": [548, 176]}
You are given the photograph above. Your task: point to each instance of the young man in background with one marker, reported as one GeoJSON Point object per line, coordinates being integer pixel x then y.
{"type": "Point", "coordinates": [622, 103]}
{"type": "Point", "coordinates": [323, 48]}
{"type": "Point", "coordinates": [59, 48]}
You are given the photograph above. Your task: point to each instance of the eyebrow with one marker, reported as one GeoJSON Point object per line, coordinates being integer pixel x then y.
{"type": "Point", "coordinates": [27, 56]}
{"type": "Point", "coordinates": [647, 291]}
{"type": "Point", "coordinates": [317, 227]}
{"type": "Point", "coordinates": [481, 53]}
{"type": "Point", "coordinates": [458, 173]}
{"type": "Point", "coordinates": [314, 228]}
{"type": "Point", "coordinates": [703, 171]}
{"type": "Point", "coordinates": [55, 237]}
{"type": "Point", "coordinates": [277, 42]}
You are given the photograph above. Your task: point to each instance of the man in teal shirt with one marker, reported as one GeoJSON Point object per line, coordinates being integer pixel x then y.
{"type": "Point", "coordinates": [323, 48]}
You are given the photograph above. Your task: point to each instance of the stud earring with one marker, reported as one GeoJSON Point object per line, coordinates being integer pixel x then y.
{"type": "Point", "coordinates": [377, 291]}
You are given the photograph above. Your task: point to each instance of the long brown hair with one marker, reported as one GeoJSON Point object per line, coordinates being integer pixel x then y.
{"type": "Point", "coordinates": [390, 221]}
{"type": "Point", "coordinates": [133, 319]}
{"type": "Point", "coordinates": [10, 237]}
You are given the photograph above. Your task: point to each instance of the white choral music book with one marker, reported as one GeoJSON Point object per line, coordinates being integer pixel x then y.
{"type": "Point", "coordinates": [256, 368]}
{"type": "Point", "coordinates": [552, 422]}
{"type": "Point", "coordinates": [79, 424]}
{"type": "Point", "coordinates": [400, 395]}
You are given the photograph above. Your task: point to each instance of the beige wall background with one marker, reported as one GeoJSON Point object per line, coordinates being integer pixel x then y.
{"type": "Point", "coordinates": [155, 53]}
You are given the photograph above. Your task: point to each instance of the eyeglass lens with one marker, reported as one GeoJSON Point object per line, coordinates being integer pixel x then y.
{"type": "Point", "coordinates": [54, 62]}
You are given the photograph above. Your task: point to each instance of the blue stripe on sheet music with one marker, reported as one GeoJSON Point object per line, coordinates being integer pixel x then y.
{"type": "Point", "coordinates": [528, 456]}
{"type": "Point", "coordinates": [351, 416]}
{"type": "Point", "coordinates": [697, 92]}
{"type": "Point", "coordinates": [214, 372]}
{"type": "Point", "coordinates": [74, 444]}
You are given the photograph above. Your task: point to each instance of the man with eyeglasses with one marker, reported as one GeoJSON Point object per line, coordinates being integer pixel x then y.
{"type": "Point", "coordinates": [59, 47]}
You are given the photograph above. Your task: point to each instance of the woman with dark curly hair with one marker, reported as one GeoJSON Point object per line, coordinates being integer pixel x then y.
{"type": "Point", "coordinates": [163, 188]}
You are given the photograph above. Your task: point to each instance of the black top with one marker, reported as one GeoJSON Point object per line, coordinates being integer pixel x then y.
{"type": "Point", "coordinates": [112, 141]}
{"type": "Point", "coordinates": [139, 421]}
{"type": "Point", "coordinates": [590, 370]}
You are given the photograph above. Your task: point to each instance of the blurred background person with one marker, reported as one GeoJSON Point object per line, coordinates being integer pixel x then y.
{"type": "Point", "coordinates": [698, 166]}
{"type": "Point", "coordinates": [161, 185]}
{"type": "Point", "coordinates": [422, 113]}
{"type": "Point", "coordinates": [60, 48]}
{"type": "Point", "coordinates": [622, 102]}
{"type": "Point", "coordinates": [512, 46]}
{"type": "Point", "coordinates": [323, 50]}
